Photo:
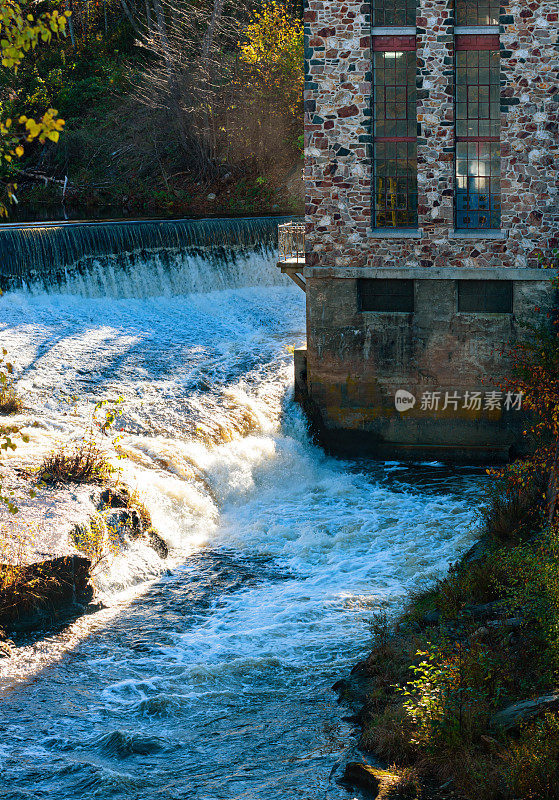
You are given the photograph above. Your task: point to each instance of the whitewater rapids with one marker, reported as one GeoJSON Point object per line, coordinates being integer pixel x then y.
{"type": "Point", "coordinates": [209, 676]}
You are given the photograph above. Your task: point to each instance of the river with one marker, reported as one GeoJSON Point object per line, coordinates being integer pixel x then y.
{"type": "Point", "coordinates": [208, 676]}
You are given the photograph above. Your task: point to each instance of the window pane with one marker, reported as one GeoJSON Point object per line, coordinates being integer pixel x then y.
{"type": "Point", "coordinates": [395, 185]}
{"type": "Point", "coordinates": [399, 13]}
{"type": "Point", "coordinates": [477, 12]}
{"type": "Point", "coordinates": [477, 120]}
{"type": "Point", "coordinates": [477, 92]}
{"type": "Point", "coordinates": [395, 181]}
{"type": "Point", "coordinates": [478, 199]}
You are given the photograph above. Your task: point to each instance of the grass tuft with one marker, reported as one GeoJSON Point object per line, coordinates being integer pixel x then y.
{"type": "Point", "coordinates": [81, 463]}
{"type": "Point", "coordinates": [10, 400]}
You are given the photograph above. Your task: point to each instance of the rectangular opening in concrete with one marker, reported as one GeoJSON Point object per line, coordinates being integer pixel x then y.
{"type": "Point", "coordinates": [489, 297]}
{"type": "Point", "coordinates": [382, 294]}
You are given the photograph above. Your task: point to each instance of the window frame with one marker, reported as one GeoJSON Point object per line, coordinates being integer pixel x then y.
{"type": "Point", "coordinates": [408, 6]}
{"type": "Point", "coordinates": [465, 43]}
{"type": "Point", "coordinates": [462, 7]}
{"type": "Point", "coordinates": [393, 43]}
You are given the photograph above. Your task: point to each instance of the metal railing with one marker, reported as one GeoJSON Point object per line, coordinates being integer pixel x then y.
{"type": "Point", "coordinates": [291, 243]}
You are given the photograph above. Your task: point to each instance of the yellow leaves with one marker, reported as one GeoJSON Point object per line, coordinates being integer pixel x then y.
{"type": "Point", "coordinates": [274, 38]}
{"type": "Point", "coordinates": [19, 33]}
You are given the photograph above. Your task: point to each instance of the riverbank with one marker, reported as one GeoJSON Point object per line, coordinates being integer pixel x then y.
{"type": "Point", "coordinates": [458, 696]}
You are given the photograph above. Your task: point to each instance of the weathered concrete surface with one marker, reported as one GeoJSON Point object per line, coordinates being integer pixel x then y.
{"type": "Point", "coordinates": [357, 361]}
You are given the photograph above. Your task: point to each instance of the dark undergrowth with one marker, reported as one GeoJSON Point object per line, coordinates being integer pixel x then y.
{"type": "Point", "coordinates": [484, 638]}
{"type": "Point", "coordinates": [443, 684]}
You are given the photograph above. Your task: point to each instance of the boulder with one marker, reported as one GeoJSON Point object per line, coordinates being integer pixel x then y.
{"type": "Point", "coordinates": [114, 498]}
{"type": "Point", "coordinates": [157, 542]}
{"type": "Point", "coordinates": [363, 776]}
{"type": "Point", "coordinates": [477, 552]}
{"type": "Point", "coordinates": [5, 650]}
{"type": "Point", "coordinates": [355, 689]}
{"type": "Point", "coordinates": [485, 610]}
{"type": "Point", "coordinates": [518, 713]}
{"type": "Point", "coordinates": [45, 592]}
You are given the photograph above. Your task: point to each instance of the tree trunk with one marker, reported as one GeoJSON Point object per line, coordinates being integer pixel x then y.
{"type": "Point", "coordinates": [130, 18]}
{"type": "Point", "coordinates": [149, 21]}
{"type": "Point", "coordinates": [162, 29]}
{"type": "Point", "coordinates": [213, 24]}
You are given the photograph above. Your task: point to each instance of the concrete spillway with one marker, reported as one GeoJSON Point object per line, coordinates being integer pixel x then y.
{"type": "Point", "coordinates": [51, 254]}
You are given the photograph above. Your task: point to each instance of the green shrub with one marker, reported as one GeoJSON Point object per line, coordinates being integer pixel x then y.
{"type": "Point", "coordinates": [529, 767]}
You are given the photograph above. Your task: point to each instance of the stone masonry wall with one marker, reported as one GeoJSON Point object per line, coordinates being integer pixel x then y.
{"type": "Point", "coordinates": [338, 166]}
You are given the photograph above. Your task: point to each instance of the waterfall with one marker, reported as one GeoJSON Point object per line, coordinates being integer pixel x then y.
{"type": "Point", "coordinates": [130, 258]}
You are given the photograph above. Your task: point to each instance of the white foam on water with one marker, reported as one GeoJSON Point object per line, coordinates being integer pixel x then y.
{"type": "Point", "coordinates": [223, 461]}
{"type": "Point", "coordinates": [211, 445]}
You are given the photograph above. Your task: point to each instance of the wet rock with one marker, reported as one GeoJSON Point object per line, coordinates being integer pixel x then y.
{"type": "Point", "coordinates": [92, 608]}
{"type": "Point", "coordinates": [363, 776]}
{"type": "Point", "coordinates": [511, 622]}
{"type": "Point", "coordinates": [432, 617]}
{"type": "Point", "coordinates": [476, 552]}
{"type": "Point", "coordinates": [485, 610]}
{"type": "Point", "coordinates": [115, 498]}
{"type": "Point", "coordinates": [515, 715]}
{"type": "Point", "coordinates": [355, 689]}
{"type": "Point", "coordinates": [124, 523]}
{"type": "Point", "coordinates": [132, 521]}
{"type": "Point", "coordinates": [157, 542]}
{"type": "Point", "coordinates": [47, 591]}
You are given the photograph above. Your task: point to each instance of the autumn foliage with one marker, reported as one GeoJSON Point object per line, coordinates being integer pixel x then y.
{"type": "Point", "coordinates": [532, 482]}
{"type": "Point", "coordinates": [21, 32]}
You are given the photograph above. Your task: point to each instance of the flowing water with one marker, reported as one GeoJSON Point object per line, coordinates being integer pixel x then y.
{"type": "Point", "coordinates": [209, 675]}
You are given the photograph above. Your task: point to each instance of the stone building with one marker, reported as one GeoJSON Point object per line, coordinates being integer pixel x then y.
{"type": "Point", "coordinates": [431, 177]}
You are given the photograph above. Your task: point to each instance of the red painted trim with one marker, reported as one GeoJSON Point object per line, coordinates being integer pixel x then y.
{"type": "Point", "coordinates": [487, 41]}
{"type": "Point", "coordinates": [393, 43]}
{"type": "Point", "coordinates": [478, 139]}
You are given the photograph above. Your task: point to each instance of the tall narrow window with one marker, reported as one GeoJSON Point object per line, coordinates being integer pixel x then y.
{"type": "Point", "coordinates": [394, 13]}
{"type": "Point", "coordinates": [395, 132]}
{"type": "Point", "coordinates": [477, 12]}
{"type": "Point", "coordinates": [478, 156]}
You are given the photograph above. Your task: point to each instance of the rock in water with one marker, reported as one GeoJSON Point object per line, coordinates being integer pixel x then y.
{"type": "Point", "coordinates": [5, 650]}
{"type": "Point", "coordinates": [157, 542]}
{"type": "Point", "coordinates": [115, 498]}
{"type": "Point", "coordinates": [362, 775]}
